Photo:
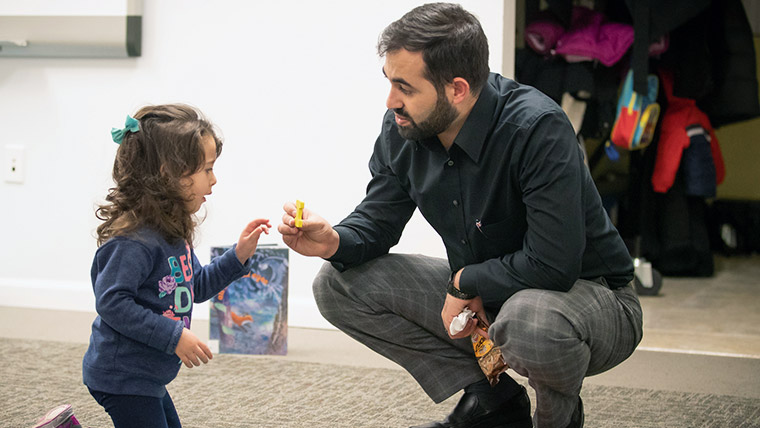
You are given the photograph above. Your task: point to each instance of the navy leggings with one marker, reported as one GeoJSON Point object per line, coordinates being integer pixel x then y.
{"type": "Point", "coordinates": [139, 411]}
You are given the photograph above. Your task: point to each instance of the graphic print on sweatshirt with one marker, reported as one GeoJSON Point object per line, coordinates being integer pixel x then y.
{"type": "Point", "coordinates": [178, 284]}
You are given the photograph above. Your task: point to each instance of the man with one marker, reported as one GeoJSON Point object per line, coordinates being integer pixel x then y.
{"type": "Point", "coordinates": [496, 169]}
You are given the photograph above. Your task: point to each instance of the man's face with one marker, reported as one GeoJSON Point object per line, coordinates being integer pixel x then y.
{"type": "Point", "coordinates": [421, 111]}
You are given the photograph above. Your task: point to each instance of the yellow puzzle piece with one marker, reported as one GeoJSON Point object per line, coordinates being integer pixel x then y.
{"type": "Point", "coordinates": [299, 213]}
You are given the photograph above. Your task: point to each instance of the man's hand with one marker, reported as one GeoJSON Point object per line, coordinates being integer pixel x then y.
{"type": "Point", "coordinates": [453, 307]}
{"type": "Point", "coordinates": [249, 238]}
{"type": "Point", "coordinates": [191, 350]}
{"type": "Point", "coordinates": [315, 238]}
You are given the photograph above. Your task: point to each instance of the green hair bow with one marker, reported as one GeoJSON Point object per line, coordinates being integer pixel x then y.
{"type": "Point", "coordinates": [131, 125]}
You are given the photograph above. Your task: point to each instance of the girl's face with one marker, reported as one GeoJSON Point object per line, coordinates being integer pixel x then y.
{"type": "Point", "coordinates": [199, 184]}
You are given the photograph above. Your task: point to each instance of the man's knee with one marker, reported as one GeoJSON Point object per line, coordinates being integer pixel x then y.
{"type": "Point", "coordinates": [530, 316]}
{"type": "Point", "coordinates": [324, 289]}
{"type": "Point", "coordinates": [535, 336]}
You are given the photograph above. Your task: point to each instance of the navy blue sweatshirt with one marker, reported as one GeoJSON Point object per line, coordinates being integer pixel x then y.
{"type": "Point", "coordinates": [144, 293]}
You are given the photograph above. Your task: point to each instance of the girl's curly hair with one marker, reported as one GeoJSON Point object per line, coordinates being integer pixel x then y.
{"type": "Point", "coordinates": [147, 173]}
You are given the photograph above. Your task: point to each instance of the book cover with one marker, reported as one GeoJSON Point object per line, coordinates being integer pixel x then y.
{"type": "Point", "coordinates": [250, 316]}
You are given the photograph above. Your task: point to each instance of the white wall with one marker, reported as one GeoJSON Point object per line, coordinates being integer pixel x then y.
{"type": "Point", "coordinates": [295, 87]}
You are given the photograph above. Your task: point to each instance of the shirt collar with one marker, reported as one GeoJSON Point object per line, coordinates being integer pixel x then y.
{"type": "Point", "coordinates": [472, 136]}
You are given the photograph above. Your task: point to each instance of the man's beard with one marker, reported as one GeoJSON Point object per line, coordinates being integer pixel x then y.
{"type": "Point", "coordinates": [439, 120]}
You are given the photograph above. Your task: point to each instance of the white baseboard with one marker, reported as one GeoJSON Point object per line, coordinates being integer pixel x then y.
{"type": "Point", "coordinates": [47, 294]}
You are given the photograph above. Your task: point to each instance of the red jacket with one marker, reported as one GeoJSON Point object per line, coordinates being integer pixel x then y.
{"type": "Point", "coordinates": [680, 114]}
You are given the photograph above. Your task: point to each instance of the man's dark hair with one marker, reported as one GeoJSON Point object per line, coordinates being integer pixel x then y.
{"type": "Point", "coordinates": [451, 40]}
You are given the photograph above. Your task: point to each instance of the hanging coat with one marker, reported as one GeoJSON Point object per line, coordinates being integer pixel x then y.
{"type": "Point", "coordinates": [681, 115]}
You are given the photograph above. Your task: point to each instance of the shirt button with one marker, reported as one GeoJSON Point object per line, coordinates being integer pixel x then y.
{"type": "Point", "coordinates": [450, 163]}
{"type": "Point", "coordinates": [456, 203]}
{"type": "Point", "coordinates": [463, 241]}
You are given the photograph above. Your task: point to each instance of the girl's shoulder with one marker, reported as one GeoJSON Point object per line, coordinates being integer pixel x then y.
{"type": "Point", "coordinates": [139, 251]}
{"type": "Point", "coordinates": [143, 235]}
{"type": "Point", "coordinates": [144, 239]}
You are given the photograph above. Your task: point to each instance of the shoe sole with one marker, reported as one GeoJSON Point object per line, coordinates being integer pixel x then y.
{"type": "Point", "coordinates": [495, 422]}
{"type": "Point", "coordinates": [56, 416]}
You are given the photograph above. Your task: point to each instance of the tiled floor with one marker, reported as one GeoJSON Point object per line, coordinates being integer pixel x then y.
{"type": "Point", "coordinates": [717, 315]}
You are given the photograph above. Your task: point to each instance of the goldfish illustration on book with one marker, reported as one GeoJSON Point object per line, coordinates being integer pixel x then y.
{"type": "Point", "coordinates": [241, 320]}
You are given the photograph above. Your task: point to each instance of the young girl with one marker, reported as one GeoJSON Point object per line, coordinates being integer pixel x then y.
{"type": "Point", "coordinates": [145, 273]}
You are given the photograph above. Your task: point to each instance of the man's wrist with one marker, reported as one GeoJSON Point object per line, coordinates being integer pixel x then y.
{"type": "Point", "coordinates": [333, 245]}
{"type": "Point", "coordinates": [455, 292]}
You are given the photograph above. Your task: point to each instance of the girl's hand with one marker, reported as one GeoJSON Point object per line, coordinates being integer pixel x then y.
{"type": "Point", "coordinates": [246, 245]}
{"type": "Point", "coordinates": [191, 350]}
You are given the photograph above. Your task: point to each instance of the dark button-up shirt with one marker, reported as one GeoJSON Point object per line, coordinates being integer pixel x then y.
{"type": "Point", "coordinates": [512, 199]}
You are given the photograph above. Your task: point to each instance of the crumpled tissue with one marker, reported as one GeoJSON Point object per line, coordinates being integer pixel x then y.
{"type": "Point", "coordinates": [460, 321]}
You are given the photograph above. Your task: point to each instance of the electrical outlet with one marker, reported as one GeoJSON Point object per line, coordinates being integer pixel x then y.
{"type": "Point", "coordinates": [14, 164]}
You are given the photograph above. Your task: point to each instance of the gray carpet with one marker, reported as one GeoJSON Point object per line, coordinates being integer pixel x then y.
{"type": "Point", "coordinates": [235, 391]}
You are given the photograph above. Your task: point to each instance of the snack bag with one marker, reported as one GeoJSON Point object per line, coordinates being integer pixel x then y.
{"type": "Point", "coordinates": [488, 354]}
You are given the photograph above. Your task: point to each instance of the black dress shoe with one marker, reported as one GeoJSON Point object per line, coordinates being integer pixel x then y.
{"type": "Point", "coordinates": [468, 413]}
{"type": "Point", "coordinates": [577, 420]}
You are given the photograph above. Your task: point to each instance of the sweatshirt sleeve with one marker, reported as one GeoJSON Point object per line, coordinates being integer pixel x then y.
{"type": "Point", "coordinates": [215, 276]}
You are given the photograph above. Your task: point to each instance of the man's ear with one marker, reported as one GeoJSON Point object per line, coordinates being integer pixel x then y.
{"type": "Point", "coordinates": [461, 90]}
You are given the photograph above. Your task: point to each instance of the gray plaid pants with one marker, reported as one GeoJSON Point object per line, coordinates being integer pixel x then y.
{"type": "Point", "coordinates": [392, 304]}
